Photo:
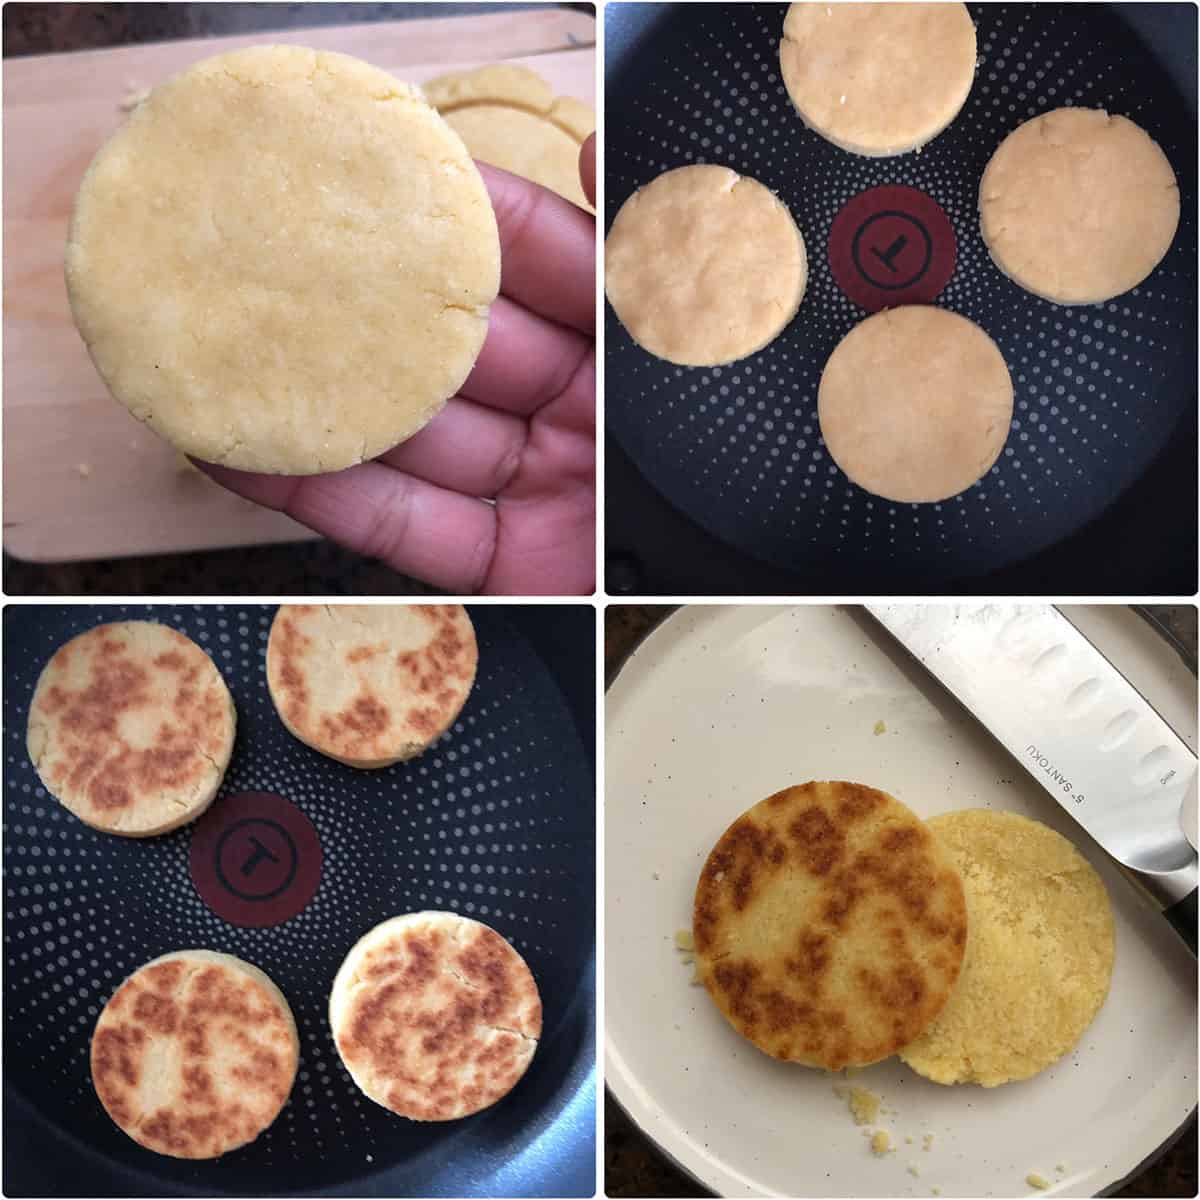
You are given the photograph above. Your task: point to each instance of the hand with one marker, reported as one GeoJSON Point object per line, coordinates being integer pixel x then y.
{"type": "Point", "coordinates": [522, 431]}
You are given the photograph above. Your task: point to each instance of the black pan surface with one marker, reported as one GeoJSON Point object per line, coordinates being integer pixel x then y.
{"type": "Point", "coordinates": [496, 821]}
{"type": "Point", "coordinates": [1100, 391]}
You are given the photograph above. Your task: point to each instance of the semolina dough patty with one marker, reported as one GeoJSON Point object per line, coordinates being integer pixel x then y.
{"type": "Point", "coordinates": [283, 261]}
{"type": "Point", "coordinates": [508, 115]}
{"type": "Point", "coordinates": [1039, 956]}
{"type": "Point", "coordinates": [370, 684]}
{"type": "Point", "coordinates": [195, 1054]}
{"type": "Point", "coordinates": [915, 404]}
{"type": "Point", "coordinates": [1078, 206]}
{"type": "Point", "coordinates": [435, 1015]}
{"type": "Point", "coordinates": [878, 79]}
{"type": "Point", "coordinates": [131, 727]}
{"type": "Point", "coordinates": [704, 266]}
{"type": "Point", "coordinates": [829, 925]}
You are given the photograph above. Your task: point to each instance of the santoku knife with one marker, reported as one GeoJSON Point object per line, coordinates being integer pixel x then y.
{"type": "Point", "coordinates": [1076, 724]}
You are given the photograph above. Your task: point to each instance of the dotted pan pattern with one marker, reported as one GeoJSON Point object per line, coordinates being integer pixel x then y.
{"type": "Point", "coordinates": [1098, 390]}
{"type": "Point", "coordinates": [496, 821]}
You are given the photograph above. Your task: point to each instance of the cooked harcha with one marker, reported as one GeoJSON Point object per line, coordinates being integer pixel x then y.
{"type": "Point", "coordinates": [370, 685]}
{"type": "Point", "coordinates": [195, 1054]}
{"type": "Point", "coordinates": [435, 1015]}
{"type": "Point", "coordinates": [131, 727]}
{"type": "Point", "coordinates": [829, 925]}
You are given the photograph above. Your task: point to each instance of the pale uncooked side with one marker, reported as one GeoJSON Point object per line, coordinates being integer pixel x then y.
{"type": "Point", "coordinates": [435, 1015]}
{"type": "Point", "coordinates": [1039, 955]}
{"type": "Point", "coordinates": [195, 1054]}
{"type": "Point", "coordinates": [370, 684]}
{"type": "Point", "coordinates": [1078, 206]}
{"type": "Point", "coordinates": [283, 261]}
{"type": "Point", "coordinates": [131, 727]}
{"type": "Point", "coordinates": [509, 116]}
{"type": "Point", "coordinates": [915, 404]}
{"type": "Point", "coordinates": [878, 79]}
{"type": "Point", "coordinates": [704, 266]}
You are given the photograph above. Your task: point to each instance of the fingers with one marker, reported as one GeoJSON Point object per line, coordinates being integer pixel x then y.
{"type": "Point", "coordinates": [466, 448]}
{"type": "Point", "coordinates": [587, 168]}
{"type": "Point", "coordinates": [548, 250]}
{"type": "Point", "coordinates": [547, 517]}
{"type": "Point", "coordinates": [525, 362]}
{"type": "Point", "coordinates": [413, 526]}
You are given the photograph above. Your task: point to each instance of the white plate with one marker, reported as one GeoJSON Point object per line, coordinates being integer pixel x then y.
{"type": "Point", "coordinates": [720, 707]}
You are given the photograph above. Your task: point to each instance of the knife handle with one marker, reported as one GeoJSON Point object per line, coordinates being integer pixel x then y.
{"type": "Point", "coordinates": [1182, 914]}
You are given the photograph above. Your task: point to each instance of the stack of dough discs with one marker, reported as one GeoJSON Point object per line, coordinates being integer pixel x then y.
{"type": "Point", "coordinates": [509, 116]}
{"type": "Point", "coordinates": [915, 404]}
{"type": "Point", "coordinates": [435, 1016]}
{"type": "Point", "coordinates": [878, 79]}
{"type": "Point", "coordinates": [829, 925]}
{"type": "Point", "coordinates": [131, 727]}
{"type": "Point", "coordinates": [283, 261]}
{"type": "Point", "coordinates": [1039, 957]}
{"type": "Point", "coordinates": [195, 1054]}
{"type": "Point", "coordinates": [704, 266]}
{"type": "Point", "coordinates": [370, 685]}
{"type": "Point", "coordinates": [1077, 206]}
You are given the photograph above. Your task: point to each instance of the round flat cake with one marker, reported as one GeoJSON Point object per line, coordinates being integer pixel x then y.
{"type": "Point", "coordinates": [1078, 206]}
{"type": "Point", "coordinates": [829, 925]}
{"type": "Point", "coordinates": [704, 266]}
{"type": "Point", "coordinates": [915, 404]}
{"type": "Point", "coordinates": [435, 1016]}
{"type": "Point", "coordinates": [283, 261]}
{"type": "Point", "coordinates": [195, 1054]}
{"type": "Point", "coordinates": [131, 727]}
{"type": "Point", "coordinates": [370, 684]}
{"type": "Point", "coordinates": [508, 115]}
{"type": "Point", "coordinates": [878, 79]}
{"type": "Point", "coordinates": [1039, 959]}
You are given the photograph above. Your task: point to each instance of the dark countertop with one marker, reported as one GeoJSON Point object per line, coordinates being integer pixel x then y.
{"type": "Point", "coordinates": [46, 28]}
{"type": "Point", "coordinates": [303, 568]}
{"type": "Point", "coordinates": [633, 1166]}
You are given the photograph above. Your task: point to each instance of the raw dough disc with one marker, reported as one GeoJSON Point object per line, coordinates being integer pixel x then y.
{"type": "Point", "coordinates": [704, 266]}
{"type": "Point", "coordinates": [370, 684]}
{"type": "Point", "coordinates": [283, 261]}
{"type": "Point", "coordinates": [509, 116]}
{"type": "Point", "coordinates": [131, 728]}
{"type": "Point", "coordinates": [1039, 952]}
{"type": "Point", "coordinates": [1077, 206]}
{"type": "Point", "coordinates": [829, 925]}
{"type": "Point", "coordinates": [195, 1054]}
{"type": "Point", "coordinates": [435, 1015]}
{"type": "Point", "coordinates": [878, 79]}
{"type": "Point", "coordinates": [915, 404]}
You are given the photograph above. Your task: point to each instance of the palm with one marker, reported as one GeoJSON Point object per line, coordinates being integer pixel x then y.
{"type": "Point", "coordinates": [497, 493]}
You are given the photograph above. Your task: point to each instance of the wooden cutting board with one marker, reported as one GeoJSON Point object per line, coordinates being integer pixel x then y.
{"type": "Point", "coordinates": [82, 478]}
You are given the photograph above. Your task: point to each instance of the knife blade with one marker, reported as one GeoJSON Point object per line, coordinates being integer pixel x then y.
{"type": "Point", "coordinates": [1076, 725]}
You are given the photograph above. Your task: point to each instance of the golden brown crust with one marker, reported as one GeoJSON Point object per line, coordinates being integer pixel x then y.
{"type": "Point", "coordinates": [435, 1016]}
{"type": "Point", "coordinates": [829, 926]}
{"type": "Point", "coordinates": [131, 727]}
{"type": "Point", "coordinates": [370, 685]}
{"type": "Point", "coordinates": [194, 1055]}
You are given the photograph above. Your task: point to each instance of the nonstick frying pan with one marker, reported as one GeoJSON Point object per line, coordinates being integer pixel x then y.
{"type": "Point", "coordinates": [1095, 491]}
{"type": "Point", "coordinates": [496, 821]}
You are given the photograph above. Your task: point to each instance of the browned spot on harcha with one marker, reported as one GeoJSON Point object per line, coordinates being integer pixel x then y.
{"type": "Point", "coordinates": [818, 841]}
{"type": "Point", "coordinates": [88, 754]}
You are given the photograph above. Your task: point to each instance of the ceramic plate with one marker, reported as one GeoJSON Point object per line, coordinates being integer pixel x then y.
{"type": "Point", "coordinates": [718, 708]}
